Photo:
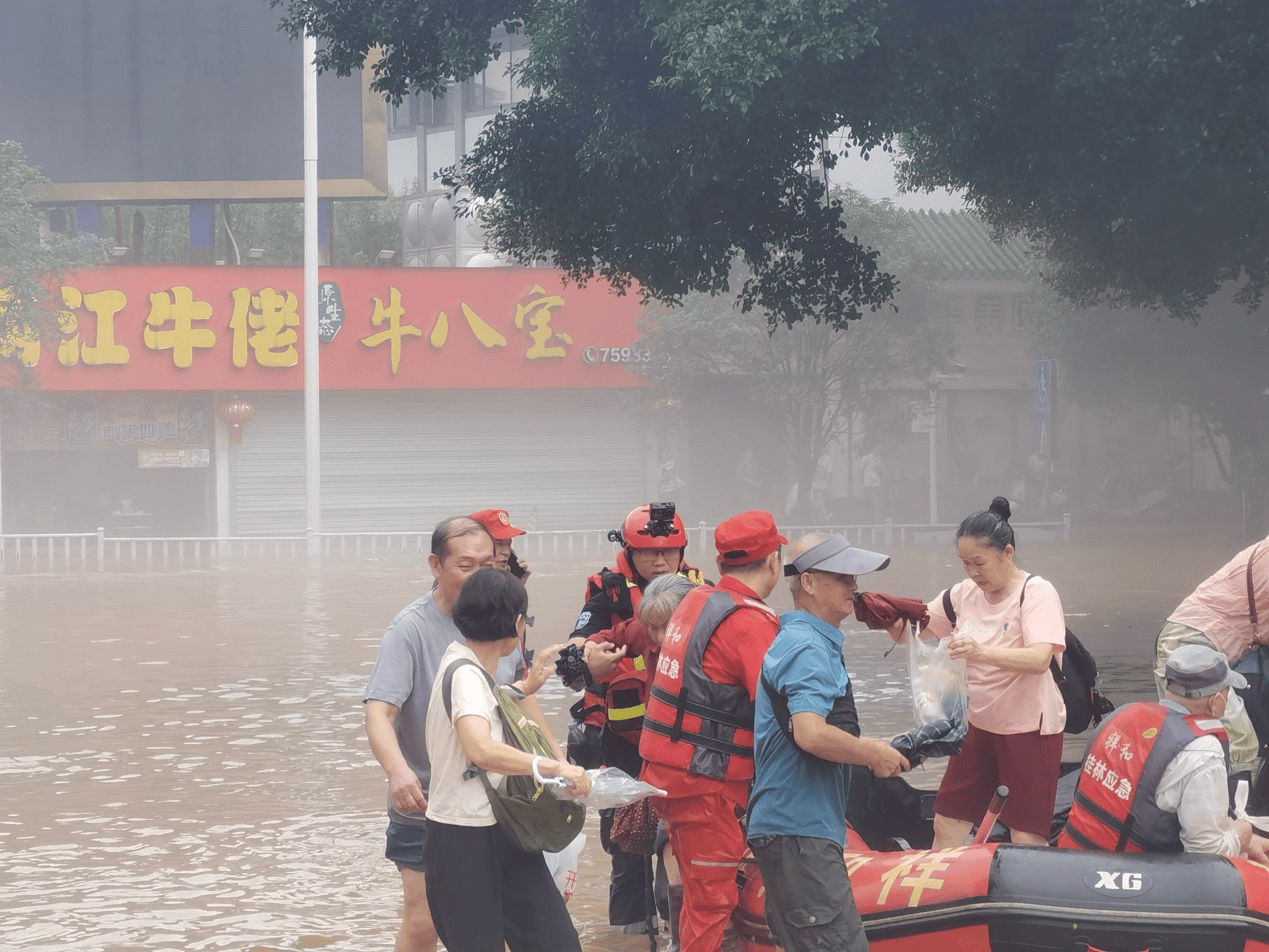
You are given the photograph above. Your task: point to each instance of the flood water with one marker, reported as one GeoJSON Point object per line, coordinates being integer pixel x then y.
{"type": "Point", "coordinates": [183, 764]}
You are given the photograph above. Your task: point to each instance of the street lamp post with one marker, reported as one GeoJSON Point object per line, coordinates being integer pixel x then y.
{"type": "Point", "coordinates": [934, 442]}
{"type": "Point", "coordinates": [934, 437]}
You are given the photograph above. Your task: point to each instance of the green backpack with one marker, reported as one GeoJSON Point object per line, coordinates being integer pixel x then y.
{"type": "Point", "coordinates": [531, 816]}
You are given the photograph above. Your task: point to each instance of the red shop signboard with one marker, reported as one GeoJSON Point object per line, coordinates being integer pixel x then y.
{"type": "Point", "coordinates": [151, 327]}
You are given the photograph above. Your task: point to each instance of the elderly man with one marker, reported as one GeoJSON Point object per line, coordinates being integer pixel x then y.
{"type": "Point", "coordinates": [697, 737]}
{"type": "Point", "coordinates": [1155, 777]}
{"type": "Point", "coordinates": [396, 701]}
{"type": "Point", "coordinates": [806, 731]}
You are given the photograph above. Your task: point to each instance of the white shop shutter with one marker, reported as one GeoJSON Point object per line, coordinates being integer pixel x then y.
{"type": "Point", "coordinates": [401, 461]}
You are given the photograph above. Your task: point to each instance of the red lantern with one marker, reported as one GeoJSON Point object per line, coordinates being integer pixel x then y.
{"type": "Point", "coordinates": [235, 411]}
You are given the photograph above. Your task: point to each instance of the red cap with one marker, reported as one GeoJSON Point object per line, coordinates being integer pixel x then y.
{"type": "Point", "coordinates": [497, 523]}
{"type": "Point", "coordinates": [747, 537]}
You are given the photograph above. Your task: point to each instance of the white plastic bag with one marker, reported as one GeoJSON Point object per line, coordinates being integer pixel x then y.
{"type": "Point", "coordinates": [940, 688]}
{"type": "Point", "coordinates": [612, 788]}
{"type": "Point", "coordinates": [564, 865]}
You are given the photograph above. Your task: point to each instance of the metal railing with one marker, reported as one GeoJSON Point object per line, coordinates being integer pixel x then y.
{"type": "Point", "coordinates": [95, 550]}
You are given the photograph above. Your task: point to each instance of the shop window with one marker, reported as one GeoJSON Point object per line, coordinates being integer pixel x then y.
{"type": "Point", "coordinates": [989, 313]}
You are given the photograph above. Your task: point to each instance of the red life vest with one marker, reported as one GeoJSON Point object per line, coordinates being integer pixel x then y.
{"type": "Point", "coordinates": [693, 723]}
{"type": "Point", "coordinates": [625, 593]}
{"type": "Point", "coordinates": [1114, 807]}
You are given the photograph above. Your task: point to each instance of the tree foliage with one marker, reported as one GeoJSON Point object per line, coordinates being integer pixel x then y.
{"type": "Point", "coordinates": [820, 379]}
{"type": "Point", "coordinates": [29, 261]}
{"type": "Point", "coordinates": [1126, 138]}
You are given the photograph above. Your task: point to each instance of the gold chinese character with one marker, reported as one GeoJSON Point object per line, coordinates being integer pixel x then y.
{"type": "Point", "coordinates": [178, 309]}
{"type": "Point", "coordinates": [539, 313]}
{"type": "Point", "coordinates": [105, 305]}
{"type": "Point", "coordinates": [395, 330]}
{"type": "Point", "coordinates": [265, 322]}
{"type": "Point", "coordinates": [486, 335]}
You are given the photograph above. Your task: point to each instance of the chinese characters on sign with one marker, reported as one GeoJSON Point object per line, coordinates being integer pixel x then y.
{"type": "Point", "coordinates": [155, 327]}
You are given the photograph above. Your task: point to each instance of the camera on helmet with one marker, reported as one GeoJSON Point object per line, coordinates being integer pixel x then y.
{"type": "Point", "coordinates": [660, 519]}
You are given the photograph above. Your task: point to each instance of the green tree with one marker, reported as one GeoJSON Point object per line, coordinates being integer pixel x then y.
{"type": "Point", "coordinates": [1125, 138]}
{"type": "Point", "coordinates": [29, 261]}
{"type": "Point", "coordinates": [820, 380]}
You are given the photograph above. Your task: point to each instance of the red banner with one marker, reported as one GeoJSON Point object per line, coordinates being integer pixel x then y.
{"type": "Point", "coordinates": [151, 327]}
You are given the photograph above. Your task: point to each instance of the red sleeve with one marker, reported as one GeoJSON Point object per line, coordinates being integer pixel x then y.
{"type": "Point", "coordinates": [735, 653]}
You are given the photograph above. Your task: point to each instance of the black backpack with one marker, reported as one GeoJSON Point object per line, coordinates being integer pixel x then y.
{"type": "Point", "coordinates": [1076, 677]}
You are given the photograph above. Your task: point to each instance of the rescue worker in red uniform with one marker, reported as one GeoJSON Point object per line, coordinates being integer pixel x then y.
{"type": "Point", "coordinates": [697, 738]}
{"type": "Point", "coordinates": [1155, 777]}
{"type": "Point", "coordinates": [654, 541]}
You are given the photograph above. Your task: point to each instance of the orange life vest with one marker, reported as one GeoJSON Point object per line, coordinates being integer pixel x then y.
{"type": "Point", "coordinates": [1114, 807]}
{"type": "Point", "coordinates": [693, 723]}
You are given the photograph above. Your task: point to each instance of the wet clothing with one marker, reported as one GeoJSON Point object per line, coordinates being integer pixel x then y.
{"type": "Point", "coordinates": [798, 802]}
{"type": "Point", "coordinates": [808, 902]}
{"type": "Point", "coordinates": [494, 896]}
{"type": "Point", "coordinates": [408, 662]}
{"type": "Point", "coordinates": [705, 793]}
{"type": "Point", "coordinates": [1154, 780]}
{"type": "Point", "coordinates": [406, 846]}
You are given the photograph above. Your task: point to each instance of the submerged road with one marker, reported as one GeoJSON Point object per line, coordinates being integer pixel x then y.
{"type": "Point", "coordinates": [183, 765]}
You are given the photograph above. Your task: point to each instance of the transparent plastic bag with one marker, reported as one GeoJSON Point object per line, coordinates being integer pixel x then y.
{"type": "Point", "coordinates": [940, 688]}
{"type": "Point", "coordinates": [612, 788]}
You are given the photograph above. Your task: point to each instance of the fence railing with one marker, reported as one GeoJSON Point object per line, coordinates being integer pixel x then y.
{"type": "Point", "coordinates": [96, 550]}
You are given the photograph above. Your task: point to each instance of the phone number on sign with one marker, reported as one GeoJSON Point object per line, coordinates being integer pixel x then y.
{"type": "Point", "coordinates": [615, 355]}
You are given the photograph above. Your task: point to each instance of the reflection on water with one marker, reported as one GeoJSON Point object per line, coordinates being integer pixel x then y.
{"type": "Point", "coordinates": [183, 764]}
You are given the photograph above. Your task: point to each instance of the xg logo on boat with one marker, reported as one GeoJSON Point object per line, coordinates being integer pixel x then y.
{"type": "Point", "coordinates": [1117, 882]}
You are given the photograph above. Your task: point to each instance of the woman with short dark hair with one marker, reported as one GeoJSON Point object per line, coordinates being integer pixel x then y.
{"type": "Point", "coordinates": [487, 894]}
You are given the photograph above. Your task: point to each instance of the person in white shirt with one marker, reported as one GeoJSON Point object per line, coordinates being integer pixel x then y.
{"type": "Point", "coordinates": [484, 892]}
{"type": "Point", "coordinates": [1155, 777]}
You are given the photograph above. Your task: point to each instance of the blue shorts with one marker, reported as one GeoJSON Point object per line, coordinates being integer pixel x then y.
{"type": "Point", "coordinates": [406, 846]}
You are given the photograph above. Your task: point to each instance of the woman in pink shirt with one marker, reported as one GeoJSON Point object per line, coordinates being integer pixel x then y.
{"type": "Point", "coordinates": [1229, 611]}
{"type": "Point", "coordinates": [1009, 625]}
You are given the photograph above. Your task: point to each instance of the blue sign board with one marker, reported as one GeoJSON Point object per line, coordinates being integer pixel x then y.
{"type": "Point", "coordinates": [1044, 404]}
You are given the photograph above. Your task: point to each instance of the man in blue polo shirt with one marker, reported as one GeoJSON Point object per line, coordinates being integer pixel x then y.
{"type": "Point", "coordinates": [806, 730]}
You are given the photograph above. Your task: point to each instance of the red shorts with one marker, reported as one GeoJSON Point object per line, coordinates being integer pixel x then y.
{"type": "Point", "coordinates": [1027, 764]}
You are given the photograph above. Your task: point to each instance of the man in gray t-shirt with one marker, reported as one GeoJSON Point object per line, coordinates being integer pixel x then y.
{"type": "Point", "coordinates": [396, 699]}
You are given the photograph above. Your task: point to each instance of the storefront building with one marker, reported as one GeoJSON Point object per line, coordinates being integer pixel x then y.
{"type": "Point", "coordinates": [171, 403]}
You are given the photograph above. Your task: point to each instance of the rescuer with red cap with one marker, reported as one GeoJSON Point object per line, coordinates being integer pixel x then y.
{"type": "Point", "coordinates": [653, 541]}
{"type": "Point", "coordinates": [498, 524]}
{"type": "Point", "coordinates": [697, 740]}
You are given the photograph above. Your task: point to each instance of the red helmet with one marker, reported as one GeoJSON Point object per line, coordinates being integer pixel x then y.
{"type": "Point", "coordinates": [636, 535]}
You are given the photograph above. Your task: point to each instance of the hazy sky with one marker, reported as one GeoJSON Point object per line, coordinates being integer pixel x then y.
{"type": "Point", "coordinates": [875, 179]}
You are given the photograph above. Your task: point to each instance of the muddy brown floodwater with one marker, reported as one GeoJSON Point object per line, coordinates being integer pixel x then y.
{"type": "Point", "coordinates": [183, 766]}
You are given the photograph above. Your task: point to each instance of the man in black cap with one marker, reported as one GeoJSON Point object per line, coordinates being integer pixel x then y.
{"type": "Point", "coordinates": [806, 731]}
{"type": "Point", "coordinates": [1155, 777]}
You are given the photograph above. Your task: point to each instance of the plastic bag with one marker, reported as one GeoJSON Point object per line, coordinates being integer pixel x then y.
{"type": "Point", "coordinates": [564, 865]}
{"type": "Point", "coordinates": [611, 788]}
{"type": "Point", "coordinates": [940, 688]}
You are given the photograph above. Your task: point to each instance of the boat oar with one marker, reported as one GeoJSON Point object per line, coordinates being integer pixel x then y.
{"type": "Point", "coordinates": [993, 813]}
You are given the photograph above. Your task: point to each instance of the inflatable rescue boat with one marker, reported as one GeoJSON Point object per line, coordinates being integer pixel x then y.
{"type": "Point", "coordinates": [997, 897]}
